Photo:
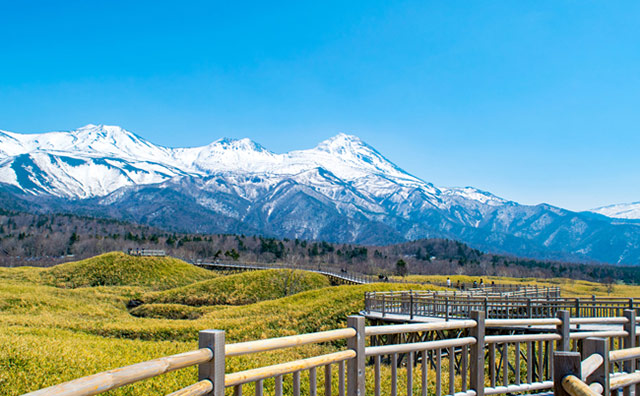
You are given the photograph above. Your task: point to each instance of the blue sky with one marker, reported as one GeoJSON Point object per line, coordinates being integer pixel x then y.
{"type": "Point", "coordinates": [533, 101]}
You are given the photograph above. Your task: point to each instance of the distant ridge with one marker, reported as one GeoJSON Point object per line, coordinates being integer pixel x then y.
{"type": "Point", "coordinates": [342, 190]}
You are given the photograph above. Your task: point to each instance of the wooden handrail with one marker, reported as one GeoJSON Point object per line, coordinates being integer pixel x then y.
{"type": "Point", "coordinates": [244, 348]}
{"type": "Point", "coordinates": [586, 334]}
{"type": "Point", "coordinates": [415, 327]}
{"type": "Point", "coordinates": [501, 339]}
{"type": "Point", "coordinates": [534, 386]}
{"type": "Point", "coordinates": [574, 386]}
{"type": "Point", "coordinates": [201, 388]}
{"type": "Point", "coordinates": [522, 322]}
{"type": "Point", "coordinates": [418, 346]}
{"type": "Point", "coordinates": [624, 354]}
{"type": "Point", "coordinates": [623, 380]}
{"type": "Point", "coordinates": [244, 377]}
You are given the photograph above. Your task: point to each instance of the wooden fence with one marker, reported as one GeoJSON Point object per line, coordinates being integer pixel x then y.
{"type": "Point", "coordinates": [470, 357]}
{"type": "Point", "coordinates": [451, 306]}
{"type": "Point", "coordinates": [346, 277]}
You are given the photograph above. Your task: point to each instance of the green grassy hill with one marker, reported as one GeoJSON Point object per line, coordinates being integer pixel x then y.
{"type": "Point", "coordinates": [241, 289]}
{"type": "Point", "coordinates": [72, 320]}
{"type": "Point", "coordinates": [119, 269]}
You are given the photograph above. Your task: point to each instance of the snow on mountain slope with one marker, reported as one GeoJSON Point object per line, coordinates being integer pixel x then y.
{"type": "Point", "coordinates": [629, 211]}
{"type": "Point", "coordinates": [109, 147]}
{"type": "Point", "coordinates": [342, 190]}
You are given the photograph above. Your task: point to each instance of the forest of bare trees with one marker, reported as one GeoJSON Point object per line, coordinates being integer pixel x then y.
{"type": "Point", "coordinates": [43, 240]}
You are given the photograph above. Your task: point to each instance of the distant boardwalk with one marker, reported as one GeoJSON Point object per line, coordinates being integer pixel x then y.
{"type": "Point", "coordinates": [146, 252]}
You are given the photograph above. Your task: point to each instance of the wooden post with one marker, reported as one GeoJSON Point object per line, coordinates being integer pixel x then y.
{"type": "Point", "coordinates": [563, 330]}
{"type": "Point", "coordinates": [564, 363]}
{"type": "Point", "coordinates": [629, 365]}
{"type": "Point", "coordinates": [383, 306]}
{"type": "Point", "coordinates": [601, 375]}
{"type": "Point", "coordinates": [411, 304]}
{"type": "Point", "coordinates": [214, 369]}
{"type": "Point", "coordinates": [476, 365]}
{"type": "Point", "coordinates": [355, 366]}
{"type": "Point", "coordinates": [446, 308]}
{"type": "Point", "coordinates": [529, 313]}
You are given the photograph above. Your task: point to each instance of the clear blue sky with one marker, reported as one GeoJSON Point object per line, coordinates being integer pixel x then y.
{"type": "Point", "coordinates": [535, 101]}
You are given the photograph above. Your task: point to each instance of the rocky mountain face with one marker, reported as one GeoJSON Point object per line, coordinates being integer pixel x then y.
{"type": "Point", "coordinates": [343, 190]}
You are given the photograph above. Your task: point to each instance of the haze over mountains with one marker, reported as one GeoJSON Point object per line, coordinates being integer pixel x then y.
{"type": "Point", "coordinates": [343, 190]}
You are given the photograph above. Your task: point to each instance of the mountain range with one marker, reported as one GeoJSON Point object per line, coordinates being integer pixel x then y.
{"type": "Point", "coordinates": [342, 190]}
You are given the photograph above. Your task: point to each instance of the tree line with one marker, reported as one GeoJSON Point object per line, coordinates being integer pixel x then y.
{"type": "Point", "coordinates": [47, 239]}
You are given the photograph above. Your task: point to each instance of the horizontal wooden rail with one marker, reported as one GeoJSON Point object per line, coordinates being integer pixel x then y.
{"type": "Point", "coordinates": [623, 380]}
{"type": "Point", "coordinates": [574, 386]}
{"type": "Point", "coordinates": [501, 339]}
{"type": "Point", "coordinates": [257, 374]}
{"type": "Point", "coordinates": [201, 388]}
{"type": "Point", "coordinates": [418, 346]}
{"type": "Point", "coordinates": [596, 320]}
{"type": "Point", "coordinates": [624, 354]}
{"type": "Point", "coordinates": [415, 327]}
{"type": "Point", "coordinates": [605, 334]}
{"type": "Point", "coordinates": [244, 348]}
{"type": "Point", "coordinates": [522, 322]}
{"type": "Point", "coordinates": [112, 379]}
{"type": "Point", "coordinates": [534, 386]}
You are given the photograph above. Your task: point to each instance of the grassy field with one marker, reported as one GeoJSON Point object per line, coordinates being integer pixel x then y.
{"type": "Point", "coordinates": [73, 319]}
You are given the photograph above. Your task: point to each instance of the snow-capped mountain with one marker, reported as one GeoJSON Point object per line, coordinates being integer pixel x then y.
{"type": "Point", "coordinates": [620, 211]}
{"type": "Point", "coordinates": [342, 190]}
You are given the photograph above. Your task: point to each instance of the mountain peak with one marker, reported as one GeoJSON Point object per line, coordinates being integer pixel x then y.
{"type": "Point", "coordinates": [340, 143]}
{"type": "Point", "coordinates": [244, 144]}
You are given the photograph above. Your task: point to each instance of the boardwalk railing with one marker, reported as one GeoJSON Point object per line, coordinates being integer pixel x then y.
{"type": "Point", "coordinates": [378, 360]}
{"type": "Point", "coordinates": [451, 306]}
{"type": "Point", "coordinates": [475, 289]}
{"type": "Point", "coordinates": [597, 370]}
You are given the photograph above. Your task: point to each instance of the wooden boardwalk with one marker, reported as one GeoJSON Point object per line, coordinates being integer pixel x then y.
{"type": "Point", "coordinates": [470, 357]}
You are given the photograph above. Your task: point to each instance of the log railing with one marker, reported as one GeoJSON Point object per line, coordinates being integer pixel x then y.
{"type": "Point", "coordinates": [466, 361]}
{"type": "Point", "coordinates": [449, 305]}
{"type": "Point", "coordinates": [349, 277]}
